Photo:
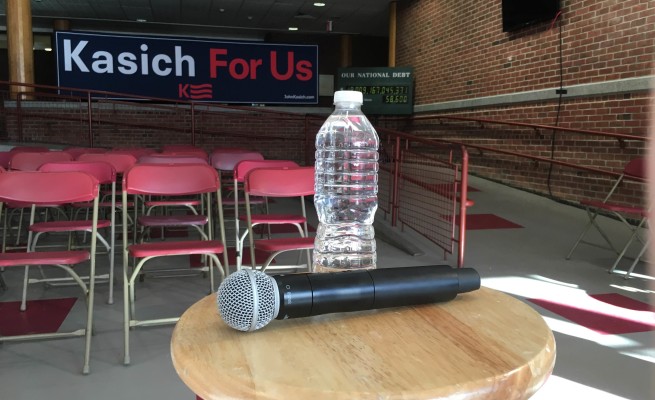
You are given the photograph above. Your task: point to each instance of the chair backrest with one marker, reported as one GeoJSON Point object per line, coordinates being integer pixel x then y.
{"type": "Point", "coordinates": [636, 168]}
{"type": "Point", "coordinates": [120, 162]}
{"type": "Point", "coordinates": [226, 161]}
{"type": "Point", "coordinates": [280, 182]}
{"type": "Point", "coordinates": [243, 167]}
{"type": "Point", "coordinates": [199, 153]}
{"type": "Point", "coordinates": [29, 149]}
{"type": "Point", "coordinates": [171, 159]}
{"type": "Point", "coordinates": [170, 179]}
{"type": "Point", "coordinates": [230, 150]}
{"type": "Point", "coordinates": [77, 151]}
{"type": "Point", "coordinates": [134, 151]}
{"type": "Point", "coordinates": [5, 157]}
{"type": "Point", "coordinates": [47, 188]}
{"type": "Point", "coordinates": [32, 161]}
{"type": "Point", "coordinates": [172, 148]}
{"type": "Point", "coordinates": [102, 171]}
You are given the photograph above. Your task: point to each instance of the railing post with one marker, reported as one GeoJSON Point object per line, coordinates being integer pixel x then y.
{"type": "Point", "coordinates": [395, 185]}
{"type": "Point", "coordinates": [20, 118]}
{"type": "Point", "coordinates": [193, 123]}
{"type": "Point", "coordinates": [463, 198]}
{"type": "Point", "coordinates": [90, 118]}
{"type": "Point", "coordinates": [308, 143]}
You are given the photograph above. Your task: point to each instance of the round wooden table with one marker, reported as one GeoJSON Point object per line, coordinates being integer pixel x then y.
{"type": "Point", "coordinates": [482, 345]}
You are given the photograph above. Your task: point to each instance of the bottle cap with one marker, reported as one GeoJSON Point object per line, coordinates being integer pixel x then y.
{"type": "Point", "coordinates": [348, 96]}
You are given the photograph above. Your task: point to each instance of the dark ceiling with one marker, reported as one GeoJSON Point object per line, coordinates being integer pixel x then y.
{"type": "Point", "coordinates": [214, 18]}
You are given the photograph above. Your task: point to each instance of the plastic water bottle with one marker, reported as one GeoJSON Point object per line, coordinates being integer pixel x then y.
{"type": "Point", "coordinates": [346, 188]}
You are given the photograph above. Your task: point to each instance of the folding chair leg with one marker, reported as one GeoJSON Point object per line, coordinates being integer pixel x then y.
{"type": "Point", "coordinates": [634, 263]}
{"type": "Point", "coordinates": [635, 234]}
{"type": "Point", "coordinates": [126, 314]}
{"type": "Point", "coordinates": [89, 326]}
{"type": "Point", "coordinates": [577, 242]}
{"type": "Point", "coordinates": [112, 257]}
{"type": "Point", "coordinates": [23, 303]}
{"type": "Point", "coordinates": [592, 222]}
{"type": "Point", "coordinates": [3, 284]}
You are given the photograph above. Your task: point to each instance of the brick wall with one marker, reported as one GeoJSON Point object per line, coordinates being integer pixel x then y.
{"type": "Point", "coordinates": [460, 53]}
{"type": "Point", "coordinates": [276, 136]}
{"type": "Point", "coordinates": [458, 48]}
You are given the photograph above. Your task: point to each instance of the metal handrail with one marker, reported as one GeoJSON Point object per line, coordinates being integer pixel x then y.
{"type": "Point", "coordinates": [426, 140]}
{"type": "Point", "coordinates": [618, 136]}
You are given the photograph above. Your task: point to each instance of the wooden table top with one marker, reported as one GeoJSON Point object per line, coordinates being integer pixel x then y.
{"type": "Point", "coordinates": [483, 345]}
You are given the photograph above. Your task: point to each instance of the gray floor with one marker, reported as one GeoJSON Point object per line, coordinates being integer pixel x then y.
{"type": "Point", "coordinates": [526, 262]}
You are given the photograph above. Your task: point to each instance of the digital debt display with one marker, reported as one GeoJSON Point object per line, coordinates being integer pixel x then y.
{"type": "Point", "coordinates": [188, 69]}
{"type": "Point", "coordinates": [387, 91]}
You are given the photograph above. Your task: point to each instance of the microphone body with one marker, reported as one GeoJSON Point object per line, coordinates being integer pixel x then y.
{"type": "Point", "coordinates": [249, 300]}
{"type": "Point", "coordinates": [304, 295]}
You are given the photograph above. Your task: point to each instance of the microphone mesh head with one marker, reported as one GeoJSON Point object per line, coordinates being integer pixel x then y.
{"type": "Point", "coordinates": [248, 300]}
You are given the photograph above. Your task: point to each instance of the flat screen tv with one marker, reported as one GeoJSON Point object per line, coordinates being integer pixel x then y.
{"type": "Point", "coordinates": [518, 14]}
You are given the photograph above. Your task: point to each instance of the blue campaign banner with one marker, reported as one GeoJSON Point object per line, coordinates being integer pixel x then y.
{"type": "Point", "coordinates": [189, 69]}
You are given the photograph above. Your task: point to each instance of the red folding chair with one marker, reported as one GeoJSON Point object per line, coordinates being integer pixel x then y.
{"type": "Point", "coordinates": [241, 169]}
{"type": "Point", "coordinates": [133, 151]}
{"type": "Point", "coordinates": [121, 163]}
{"type": "Point", "coordinates": [29, 149]}
{"type": "Point", "coordinates": [173, 158]}
{"type": "Point", "coordinates": [224, 160]}
{"type": "Point", "coordinates": [172, 148]}
{"type": "Point", "coordinates": [190, 203]}
{"type": "Point", "coordinates": [31, 161]}
{"type": "Point", "coordinates": [635, 171]}
{"type": "Point", "coordinates": [38, 188]}
{"type": "Point", "coordinates": [5, 156]}
{"type": "Point", "coordinates": [26, 160]}
{"type": "Point", "coordinates": [279, 183]}
{"type": "Point", "coordinates": [200, 153]}
{"type": "Point", "coordinates": [105, 174]}
{"type": "Point", "coordinates": [168, 180]}
{"type": "Point", "coordinates": [77, 151]}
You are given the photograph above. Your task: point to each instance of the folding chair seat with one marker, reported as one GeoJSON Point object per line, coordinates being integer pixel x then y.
{"type": "Point", "coordinates": [39, 188]}
{"type": "Point", "coordinates": [105, 174]}
{"type": "Point", "coordinates": [169, 180]}
{"type": "Point", "coordinates": [635, 171]}
{"type": "Point", "coordinates": [279, 183]}
{"type": "Point", "coordinates": [241, 169]}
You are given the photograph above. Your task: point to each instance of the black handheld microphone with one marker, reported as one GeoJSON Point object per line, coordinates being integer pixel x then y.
{"type": "Point", "coordinates": [248, 300]}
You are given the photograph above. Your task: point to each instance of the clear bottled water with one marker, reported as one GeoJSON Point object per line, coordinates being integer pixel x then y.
{"type": "Point", "coordinates": [346, 187]}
